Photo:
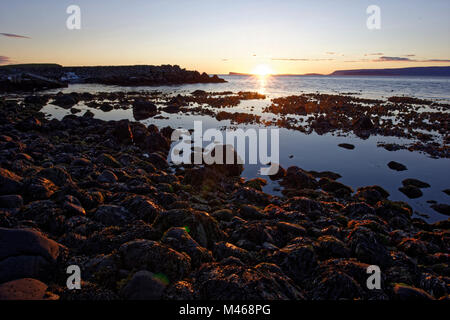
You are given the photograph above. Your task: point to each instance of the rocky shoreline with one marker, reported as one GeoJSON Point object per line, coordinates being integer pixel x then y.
{"type": "Point", "coordinates": [101, 195]}
{"type": "Point", "coordinates": [32, 77]}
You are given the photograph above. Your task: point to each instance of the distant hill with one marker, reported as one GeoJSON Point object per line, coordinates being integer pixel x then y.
{"type": "Point", "coordinates": [31, 65]}
{"type": "Point", "coordinates": [415, 71]}
{"type": "Point", "coordinates": [276, 75]}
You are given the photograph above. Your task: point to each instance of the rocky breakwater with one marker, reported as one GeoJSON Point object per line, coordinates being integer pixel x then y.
{"type": "Point", "coordinates": [102, 196]}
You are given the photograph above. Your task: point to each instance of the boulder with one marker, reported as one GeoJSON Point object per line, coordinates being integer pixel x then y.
{"type": "Point", "coordinates": [27, 253]}
{"type": "Point", "coordinates": [10, 183]}
{"type": "Point", "coordinates": [23, 289]}
{"type": "Point", "coordinates": [143, 285]}
{"type": "Point", "coordinates": [155, 257]}
{"type": "Point", "coordinates": [112, 215]}
{"type": "Point", "coordinates": [143, 109]}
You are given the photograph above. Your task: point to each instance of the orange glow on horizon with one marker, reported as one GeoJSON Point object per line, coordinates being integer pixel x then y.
{"type": "Point", "coordinates": [262, 70]}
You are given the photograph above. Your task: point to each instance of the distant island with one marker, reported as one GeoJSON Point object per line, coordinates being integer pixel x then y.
{"type": "Point", "coordinates": [412, 71]}
{"type": "Point", "coordinates": [278, 75]}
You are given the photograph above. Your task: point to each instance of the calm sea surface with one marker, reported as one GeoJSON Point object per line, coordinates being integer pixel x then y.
{"type": "Point", "coordinates": [365, 165]}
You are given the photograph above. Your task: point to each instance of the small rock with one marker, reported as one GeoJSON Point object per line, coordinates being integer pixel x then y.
{"type": "Point", "coordinates": [415, 183]}
{"type": "Point", "coordinates": [441, 208]}
{"type": "Point", "coordinates": [397, 166]}
{"type": "Point", "coordinates": [411, 191]}
{"type": "Point", "coordinates": [347, 146]}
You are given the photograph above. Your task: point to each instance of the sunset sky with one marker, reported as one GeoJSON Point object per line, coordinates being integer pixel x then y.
{"type": "Point", "coordinates": [295, 36]}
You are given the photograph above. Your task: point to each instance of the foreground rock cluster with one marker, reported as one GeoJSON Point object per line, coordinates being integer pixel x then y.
{"type": "Point", "coordinates": [102, 196]}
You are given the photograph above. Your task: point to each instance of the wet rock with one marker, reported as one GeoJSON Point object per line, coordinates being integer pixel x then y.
{"type": "Point", "coordinates": [75, 110]}
{"type": "Point", "coordinates": [39, 188]}
{"type": "Point", "coordinates": [415, 183]}
{"type": "Point", "coordinates": [107, 176]}
{"type": "Point", "coordinates": [297, 261]}
{"type": "Point", "coordinates": [347, 146]}
{"type": "Point", "coordinates": [27, 253]}
{"type": "Point", "coordinates": [73, 207]}
{"type": "Point", "coordinates": [201, 226]}
{"type": "Point", "coordinates": [23, 289]}
{"type": "Point", "coordinates": [143, 285]}
{"type": "Point", "coordinates": [298, 178]}
{"type": "Point", "coordinates": [106, 107]}
{"type": "Point", "coordinates": [250, 212]}
{"type": "Point", "coordinates": [367, 248]}
{"type": "Point", "coordinates": [58, 175]}
{"type": "Point", "coordinates": [65, 101]}
{"type": "Point", "coordinates": [155, 257]}
{"type": "Point", "coordinates": [292, 230]}
{"type": "Point", "coordinates": [279, 174]}
{"type": "Point", "coordinates": [122, 132]}
{"type": "Point", "coordinates": [108, 160]}
{"type": "Point", "coordinates": [331, 247]}
{"type": "Point", "coordinates": [411, 191]}
{"type": "Point", "coordinates": [142, 208]}
{"type": "Point", "coordinates": [397, 166]}
{"type": "Point", "coordinates": [223, 215]}
{"type": "Point", "coordinates": [256, 183]}
{"type": "Point", "coordinates": [441, 208]}
{"type": "Point", "coordinates": [413, 247]}
{"type": "Point", "coordinates": [158, 160]}
{"type": "Point", "coordinates": [234, 282]}
{"type": "Point", "coordinates": [11, 201]}
{"type": "Point", "coordinates": [156, 142]}
{"type": "Point", "coordinates": [363, 123]}
{"type": "Point", "coordinates": [180, 290]}
{"type": "Point", "coordinates": [334, 186]}
{"type": "Point", "coordinates": [219, 155]}
{"type": "Point", "coordinates": [112, 215]}
{"type": "Point", "coordinates": [224, 250]}
{"type": "Point", "coordinates": [10, 183]}
{"type": "Point", "coordinates": [433, 284]}
{"type": "Point", "coordinates": [446, 191]}
{"type": "Point", "coordinates": [336, 285]}
{"type": "Point", "coordinates": [80, 162]}
{"type": "Point", "coordinates": [405, 292]}
{"type": "Point", "coordinates": [143, 109]}
{"type": "Point", "coordinates": [372, 194]}
{"type": "Point", "coordinates": [180, 240]}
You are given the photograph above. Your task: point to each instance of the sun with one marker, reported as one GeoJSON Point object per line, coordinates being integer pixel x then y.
{"type": "Point", "coordinates": [262, 70]}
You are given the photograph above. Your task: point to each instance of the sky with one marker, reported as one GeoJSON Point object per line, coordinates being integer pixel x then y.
{"type": "Point", "coordinates": [283, 36]}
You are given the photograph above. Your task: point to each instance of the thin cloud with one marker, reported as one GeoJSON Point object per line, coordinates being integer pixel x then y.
{"type": "Point", "coordinates": [374, 54]}
{"type": "Point", "coordinates": [12, 35]}
{"type": "Point", "coordinates": [330, 52]}
{"type": "Point", "coordinates": [4, 59]}
{"type": "Point", "coordinates": [403, 59]}
{"type": "Point", "coordinates": [300, 59]}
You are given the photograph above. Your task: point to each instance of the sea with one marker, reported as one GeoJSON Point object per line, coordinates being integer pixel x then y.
{"type": "Point", "coordinates": [365, 165]}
